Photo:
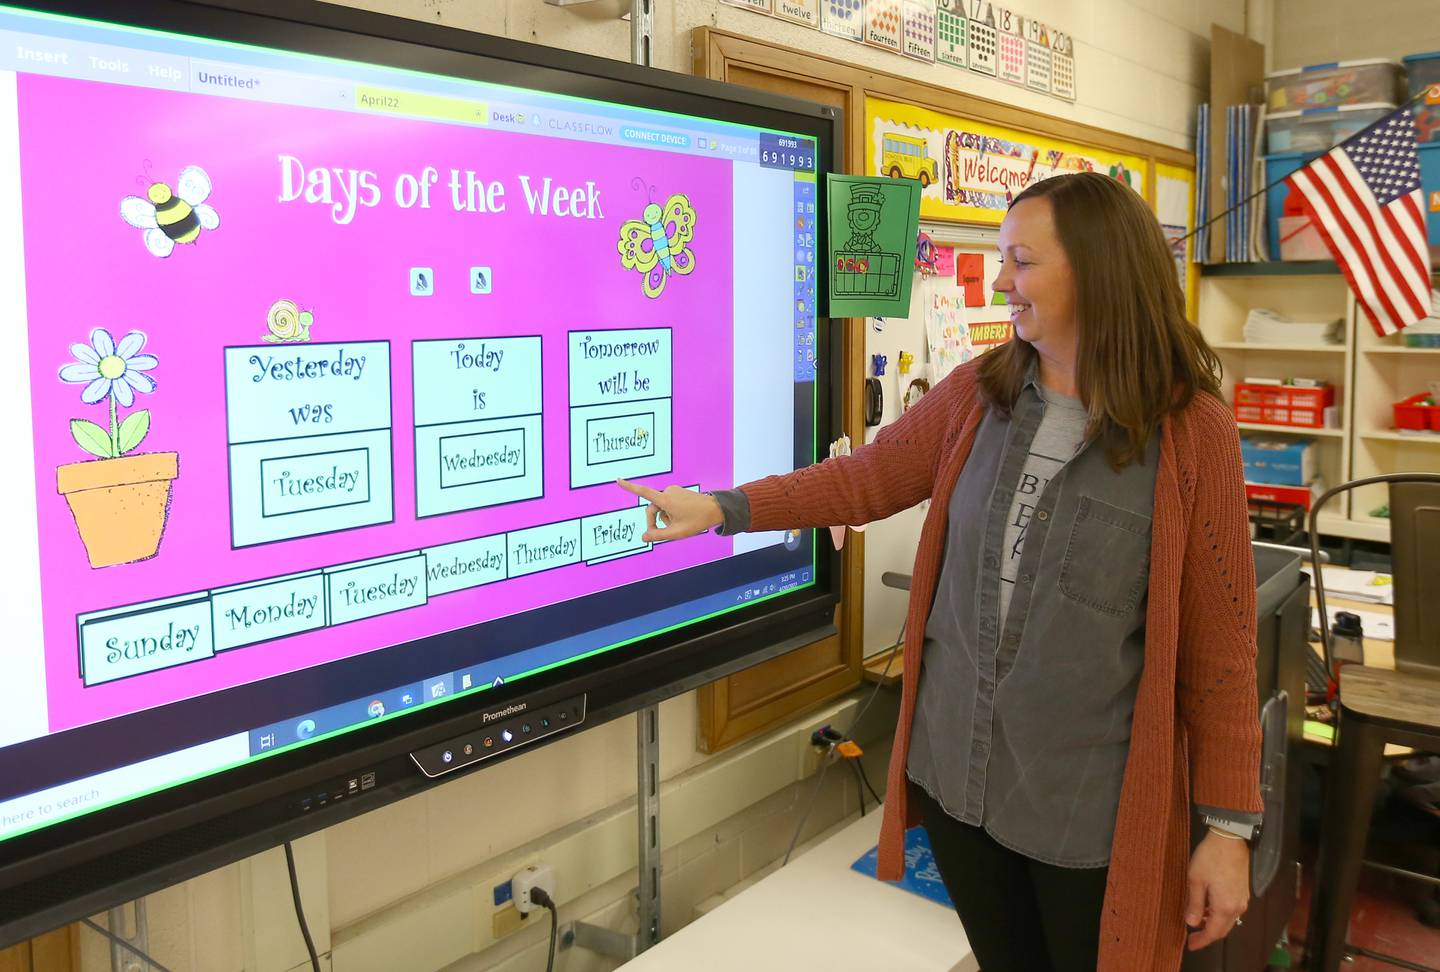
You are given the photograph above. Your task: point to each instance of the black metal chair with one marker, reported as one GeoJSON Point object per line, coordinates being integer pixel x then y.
{"type": "Point", "coordinates": [1378, 706]}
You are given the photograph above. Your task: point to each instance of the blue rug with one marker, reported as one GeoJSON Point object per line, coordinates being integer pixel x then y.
{"type": "Point", "coordinates": [921, 877]}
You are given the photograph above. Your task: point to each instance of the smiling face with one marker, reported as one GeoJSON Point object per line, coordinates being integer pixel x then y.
{"type": "Point", "coordinates": [1098, 308]}
{"type": "Point", "coordinates": [1037, 280]}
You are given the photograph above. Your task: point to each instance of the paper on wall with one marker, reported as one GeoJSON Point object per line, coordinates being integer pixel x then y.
{"type": "Point", "coordinates": [947, 326]}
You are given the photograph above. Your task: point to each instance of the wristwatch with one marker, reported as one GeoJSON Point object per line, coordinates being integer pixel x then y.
{"type": "Point", "coordinates": [1245, 831]}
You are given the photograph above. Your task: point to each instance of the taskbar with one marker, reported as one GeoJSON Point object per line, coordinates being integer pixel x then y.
{"type": "Point", "coordinates": [442, 687]}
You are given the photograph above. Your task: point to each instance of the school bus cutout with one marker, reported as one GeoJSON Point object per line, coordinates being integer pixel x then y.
{"type": "Point", "coordinates": [907, 157]}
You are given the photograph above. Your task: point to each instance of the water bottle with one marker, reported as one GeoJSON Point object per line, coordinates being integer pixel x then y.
{"type": "Point", "coordinates": [1347, 644]}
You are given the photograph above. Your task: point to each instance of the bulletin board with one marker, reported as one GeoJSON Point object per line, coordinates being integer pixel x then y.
{"type": "Point", "coordinates": [970, 169]}
{"type": "Point", "coordinates": [1175, 208]}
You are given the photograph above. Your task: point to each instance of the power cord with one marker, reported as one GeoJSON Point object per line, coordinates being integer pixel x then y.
{"type": "Point", "coordinates": [299, 909]}
{"type": "Point", "coordinates": [859, 789]}
{"type": "Point", "coordinates": [820, 776]}
{"type": "Point", "coordinates": [124, 944]}
{"type": "Point", "coordinates": [849, 750]}
{"type": "Point", "coordinates": [542, 898]}
{"type": "Point", "coordinates": [865, 778]}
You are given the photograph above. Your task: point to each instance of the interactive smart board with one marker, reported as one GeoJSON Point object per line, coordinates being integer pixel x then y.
{"type": "Point", "coordinates": [318, 375]}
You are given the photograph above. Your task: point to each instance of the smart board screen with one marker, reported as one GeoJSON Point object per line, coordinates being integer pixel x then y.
{"type": "Point", "coordinates": [317, 378]}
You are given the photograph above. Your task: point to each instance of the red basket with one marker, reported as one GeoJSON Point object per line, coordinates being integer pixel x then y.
{"type": "Point", "coordinates": [1282, 404]}
{"type": "Point", "coordinates": [1291, 495]}
{"type": "Point", "coordinates": [1410, 414]}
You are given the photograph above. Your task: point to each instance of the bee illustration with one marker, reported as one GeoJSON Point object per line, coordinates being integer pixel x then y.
{"type": "Point", "coordinates": [172, 216]}
{"type": "Point", "coordinates": [287, 323]}
{"type": "Point", "coordinates": [657, 244]}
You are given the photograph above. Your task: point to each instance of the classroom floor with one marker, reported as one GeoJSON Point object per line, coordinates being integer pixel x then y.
{"type": "Point", "coordinates": [1383, 920]}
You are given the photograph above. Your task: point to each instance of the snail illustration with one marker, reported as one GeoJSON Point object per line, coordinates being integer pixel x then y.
{"type": "Point", "coordinates": [287, 322]}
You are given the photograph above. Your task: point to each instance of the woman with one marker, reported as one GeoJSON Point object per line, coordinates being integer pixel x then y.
{"type": "Point", "coordinates": [1082, 600]}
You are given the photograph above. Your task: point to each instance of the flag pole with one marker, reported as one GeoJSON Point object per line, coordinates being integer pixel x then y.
{"type": "Point", "coordinates": [1262, 191]}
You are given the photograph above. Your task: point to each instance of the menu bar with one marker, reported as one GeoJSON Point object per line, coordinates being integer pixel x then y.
{"type": "Point", "coordinates": [451, 101]}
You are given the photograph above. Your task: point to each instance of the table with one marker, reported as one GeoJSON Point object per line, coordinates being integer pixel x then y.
{"type": "Point", "coordinates": [817, 913]}
{"type": "Point", "coordinates": [1378, 654]}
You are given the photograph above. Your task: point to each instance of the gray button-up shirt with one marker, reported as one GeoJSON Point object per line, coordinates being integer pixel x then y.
{"type": "Point", "coordinates": [1022, 724]}
{"type": "Point", "coordinates": [1026, 730]}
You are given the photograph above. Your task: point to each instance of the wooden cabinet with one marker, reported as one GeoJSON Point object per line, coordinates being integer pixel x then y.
{"type": "Point", "coordinates": [54, 951]}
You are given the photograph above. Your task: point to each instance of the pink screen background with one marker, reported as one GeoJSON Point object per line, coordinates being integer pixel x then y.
{"type": "Point", "coordinates": [85, 146]}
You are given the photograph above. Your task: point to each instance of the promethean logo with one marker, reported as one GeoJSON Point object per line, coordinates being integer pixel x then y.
{"type": "Point", "coordinates": [492, 716]}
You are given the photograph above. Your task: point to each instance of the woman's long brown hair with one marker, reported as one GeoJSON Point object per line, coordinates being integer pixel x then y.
{"type": "Point", "coordinates": [1138, 357]}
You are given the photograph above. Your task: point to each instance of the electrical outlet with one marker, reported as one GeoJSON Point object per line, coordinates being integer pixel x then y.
{"type": "Point", "coordinates": [506, 920]}
{"type": "Point", "coordinates": [812, 757]}
{"type": "Point", "coordinates": [534, 876]}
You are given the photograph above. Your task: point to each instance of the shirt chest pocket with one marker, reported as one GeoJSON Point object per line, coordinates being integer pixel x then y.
{"type": "Point", "coordinates": [1107, 557]}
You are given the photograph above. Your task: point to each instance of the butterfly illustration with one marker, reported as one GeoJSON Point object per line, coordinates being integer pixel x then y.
{"type": "Point", "coordinates": [657, 244]}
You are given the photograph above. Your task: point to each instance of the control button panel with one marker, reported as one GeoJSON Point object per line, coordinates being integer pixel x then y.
{"type": "Point", "coordinates": [504, 728]}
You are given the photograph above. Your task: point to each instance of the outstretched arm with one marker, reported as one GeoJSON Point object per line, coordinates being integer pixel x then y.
{"type": "Point", "coordinates": [891, 474]}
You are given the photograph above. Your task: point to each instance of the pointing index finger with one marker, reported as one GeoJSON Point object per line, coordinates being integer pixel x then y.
{"type": "Point", "coordinates": [644, 492]}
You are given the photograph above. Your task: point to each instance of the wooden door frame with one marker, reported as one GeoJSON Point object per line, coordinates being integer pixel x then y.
{"type": "Point", "coordinates": [55, 951]}
{"type": "Point", "coordinates": [749, 702]}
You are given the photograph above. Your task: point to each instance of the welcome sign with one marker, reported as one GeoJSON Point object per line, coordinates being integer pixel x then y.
{"type": "Point", "coordinates": [970, 170]}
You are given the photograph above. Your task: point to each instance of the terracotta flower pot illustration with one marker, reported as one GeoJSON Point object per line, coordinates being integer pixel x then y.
{"type": "Point", "coordinates": [120, 502]}
{"type": "Point", "coordinates": [120, 505]}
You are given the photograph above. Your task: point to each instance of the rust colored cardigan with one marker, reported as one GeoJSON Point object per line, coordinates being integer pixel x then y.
{"type": "Point", "coordinates": [1196, 728]}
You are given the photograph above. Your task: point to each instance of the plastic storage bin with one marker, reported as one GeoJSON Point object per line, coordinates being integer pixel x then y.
{"type": "Point", "coordinates": [1300, 496]}
{"type": "Point", "coordinates": [1430, 180]}
{"type": "Point", "coordinates": [1300, 239]}
{"type": "Point", "coordinates": [1425, 333]}
{"type": "Point", "coordinates": [1283, 404]}
{"type": "Point", "coordinates": [1333, 85]}
{"type": "Point", "coordinates": [1278, 462]}
{"type": "Point", "coordinates": [1423, 71]}
{"type": "Point", "coordinates": [1320, 129]}
{"type": "Point", "coordinates": [1413, 414]}
{"type": "Point", "coordinates": [1280, 202]}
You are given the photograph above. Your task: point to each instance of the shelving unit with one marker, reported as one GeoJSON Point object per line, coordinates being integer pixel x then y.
{"type": "Point", "coordinates": [1386, 371]}
{"type": "Point", "coordinates": [1303, 291]}
{"type": "Point", "coordinates": [1301, 348]}
{"type": "Point", "coordinates": [1416, 353]}
{"type": "Point", "coordinates": [1290, 430]}
{"type": "Point", "coordinates": [1369, 373]}
{"type": "Point", "coordinates": [1417, 438]}
{"type": "Point", "coordinates": [1273, 268]}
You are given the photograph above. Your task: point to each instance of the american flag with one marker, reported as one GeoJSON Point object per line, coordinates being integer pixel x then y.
{"type": "Point", "coordinates": [1364, 197]}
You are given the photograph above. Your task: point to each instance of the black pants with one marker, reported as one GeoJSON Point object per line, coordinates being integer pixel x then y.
{"type": "Point", "coordinates": [1021, 915]}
